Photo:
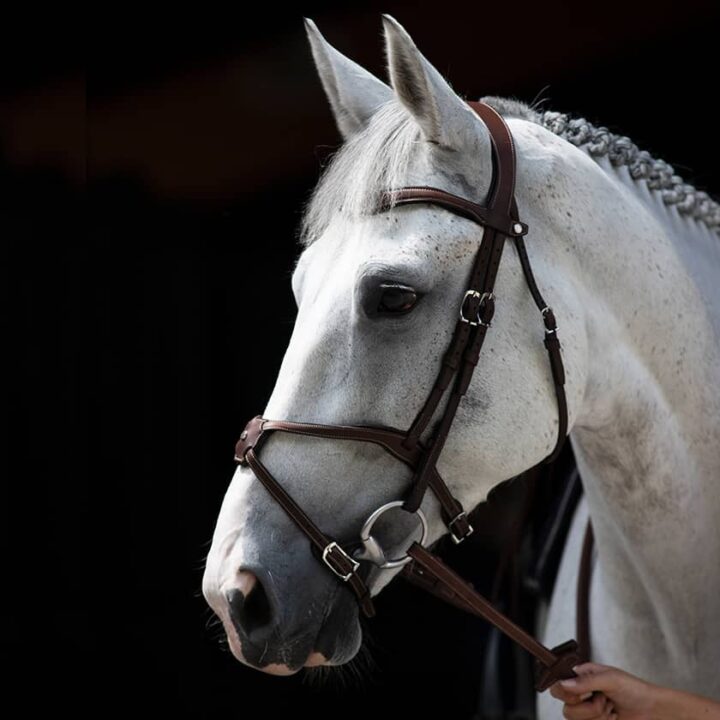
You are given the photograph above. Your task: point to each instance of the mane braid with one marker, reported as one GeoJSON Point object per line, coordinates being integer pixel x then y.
{"type": "Point", "coordinates": [620, 150]}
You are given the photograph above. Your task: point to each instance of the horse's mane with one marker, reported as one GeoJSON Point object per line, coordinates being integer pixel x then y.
{"type": "Point", "coordinates": [599, 142]}
{"type": "Point", "coordinates": [378, 157]}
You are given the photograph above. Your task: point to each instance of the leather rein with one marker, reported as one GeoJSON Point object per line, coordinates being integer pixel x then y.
{"type": "Point", "coordinates": [499, 218]}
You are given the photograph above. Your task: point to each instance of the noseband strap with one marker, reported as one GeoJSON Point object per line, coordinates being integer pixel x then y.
{"type": "Point", "coordinates": [419, 448]}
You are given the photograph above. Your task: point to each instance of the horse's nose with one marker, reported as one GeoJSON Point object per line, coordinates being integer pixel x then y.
{"type": "Point", "coordinates": [251, 608]}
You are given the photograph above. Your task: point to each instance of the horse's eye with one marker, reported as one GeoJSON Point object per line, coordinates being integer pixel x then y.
{"type": "Point", "coordinates": [396, 299]}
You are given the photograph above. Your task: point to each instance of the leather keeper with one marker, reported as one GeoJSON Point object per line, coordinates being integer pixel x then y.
{"type": "Point", "coordinates": [553, 346]}
{"type": "Point", "coordinates": [487, 310]}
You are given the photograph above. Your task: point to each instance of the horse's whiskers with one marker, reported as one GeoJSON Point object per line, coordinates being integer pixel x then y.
{"type": "Point", "coordinates": [355, 673]}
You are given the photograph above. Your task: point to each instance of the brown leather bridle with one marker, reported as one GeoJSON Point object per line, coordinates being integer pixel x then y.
{"type": "Point", "coordinates": [499, 217]}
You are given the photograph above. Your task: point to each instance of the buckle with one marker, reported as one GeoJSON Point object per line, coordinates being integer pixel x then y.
{"type": "Point", "coordinates": [457, 539]}
{"type": "Point", "coordinates": [549, 320]}
{"type": "Point", "coordinates": [469, 294]}
{"type": "Point", "coordinates": [482, 299]}
{"type": "Point", "coordinates": [327, 558]}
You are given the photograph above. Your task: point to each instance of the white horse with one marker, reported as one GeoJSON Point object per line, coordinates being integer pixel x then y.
{"type": "Point", "coordinates": [628, 257]}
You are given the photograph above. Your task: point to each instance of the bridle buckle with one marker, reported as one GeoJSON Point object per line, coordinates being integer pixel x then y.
{"type": "Point", "coordinates": [457, 539]}
{"type": "Point", "coordinates": [482, 299]}
{"type": "Point", "coordinates": [549, 319]}
{"type": "Point", "coordinates": [327, 557]}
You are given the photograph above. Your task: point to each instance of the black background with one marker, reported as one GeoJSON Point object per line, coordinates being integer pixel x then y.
{"type": "Point", "coordinates": [133, 369]}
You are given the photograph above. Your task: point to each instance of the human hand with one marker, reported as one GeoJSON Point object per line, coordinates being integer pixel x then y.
{"type": "Point", "coordinates": [607, 693]}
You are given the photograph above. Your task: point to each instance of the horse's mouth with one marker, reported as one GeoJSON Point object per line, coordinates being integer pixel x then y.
{"type": "Point", "coordinates": [283, 659]}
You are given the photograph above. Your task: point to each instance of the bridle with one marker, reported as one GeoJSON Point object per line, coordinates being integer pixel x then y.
{"type": "Point", "coordinates": [499, 217]}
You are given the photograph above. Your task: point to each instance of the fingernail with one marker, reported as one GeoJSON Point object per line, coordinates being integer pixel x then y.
{"type": "Point", "coordinates": [586, 695]}
{"type": "Point", "coordinates": [569, 683]}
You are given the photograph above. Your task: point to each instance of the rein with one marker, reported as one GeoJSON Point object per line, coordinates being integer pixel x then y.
{"type": "Point", "coordinates": [500, 219]}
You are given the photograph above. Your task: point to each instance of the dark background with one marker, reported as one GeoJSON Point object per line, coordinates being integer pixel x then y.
{"type": "Point", "coordinates": [185, 144]}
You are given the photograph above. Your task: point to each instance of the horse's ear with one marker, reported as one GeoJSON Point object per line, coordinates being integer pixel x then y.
{"type": "Point", "coordinates": [444, 118]}
{"type": "Point", "coordinates": [353, 92]}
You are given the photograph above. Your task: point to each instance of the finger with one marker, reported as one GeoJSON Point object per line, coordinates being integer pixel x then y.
{"type": "Point", "coordinates": [589, 680]}
{"type": "Point", "coordinates": [590, 667]}
{"type": "Point", "coordinates": [593, 709]}
{"type": "Point", "coordinates": [570, 698]}
{"type": "Point", "coordinates": [560, 693]}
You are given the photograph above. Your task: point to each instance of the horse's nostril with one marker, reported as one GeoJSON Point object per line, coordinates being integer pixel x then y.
{"type": "Point", "coordinates": [246, 582]}
{"type": "Point", "coordinates": [253, 614]}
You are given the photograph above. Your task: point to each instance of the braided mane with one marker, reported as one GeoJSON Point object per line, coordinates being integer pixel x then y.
{"type": "Point", "coordinates": [599, 142]}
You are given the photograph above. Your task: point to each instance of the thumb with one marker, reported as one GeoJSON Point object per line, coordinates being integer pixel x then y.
{"type": "Point", "coordinates": [591, 677]}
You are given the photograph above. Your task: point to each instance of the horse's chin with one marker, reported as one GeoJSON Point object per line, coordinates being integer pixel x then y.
{"type": "Point", "coordinates": [315, 659]}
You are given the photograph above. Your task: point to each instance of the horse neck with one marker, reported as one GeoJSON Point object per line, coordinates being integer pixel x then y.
{"type": "Point", "coordinates": [647, 432]}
